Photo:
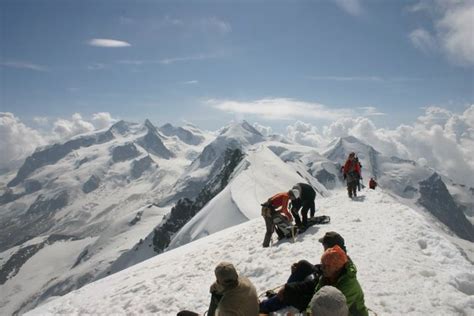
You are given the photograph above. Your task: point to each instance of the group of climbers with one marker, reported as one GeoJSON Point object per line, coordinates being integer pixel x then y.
{"type": "Point", "coordinates": [328, 288]}
{"type": "Point", "coordinates": [278, 218]}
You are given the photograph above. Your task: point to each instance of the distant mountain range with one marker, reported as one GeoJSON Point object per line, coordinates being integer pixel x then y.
{"type": "Point", "coordinates": [104, 201]}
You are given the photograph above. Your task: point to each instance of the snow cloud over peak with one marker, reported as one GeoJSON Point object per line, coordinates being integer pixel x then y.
{"type": "Point", "coordinates": [16, 139]}
{"type": "Point", "coordinates": [439, 138]}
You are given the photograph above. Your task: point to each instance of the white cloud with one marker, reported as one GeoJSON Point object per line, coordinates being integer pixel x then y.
{"type": "Point", "coordinates": [16, 139]}
{"type": "Point", "coordinates": [264, 130]}
{"type": "Point", "coordinates": [191, 82]}
{"type": "Point", "coordinates": [64, 128]}
{"type": "Point", "coordinates": [370, 111]}
{"type": "Point", "coordinates": [23, 65]}
{"type": "Point", "coordinates": [102, 120]}
{"type": "Point", "coordinates": [215, 24]}
{"type": "Point", "coordinates": [105, 42]}
{"type": "Point", "coordinates": [453, 25]}
{"type": "Point", "coordinates": [423, 40]}
{"type": "Point", "coordinates": [167, 61]}
{"type": "Point", "coordinates": [353, 7]}
{"type": "Point", "coordinates": [305, 134]}
{"type": "Point", "coordinates": [456, 32]}
{"type": "Point", "coordinates": [439, 138]}
{"type": "Point", "coordinates": [280, 109]}
{"type": "Point", "coordinates": [41, 120]}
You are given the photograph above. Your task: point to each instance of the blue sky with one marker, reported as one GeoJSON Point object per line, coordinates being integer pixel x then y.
{"type": "Point", "coordinates": [210, 61]}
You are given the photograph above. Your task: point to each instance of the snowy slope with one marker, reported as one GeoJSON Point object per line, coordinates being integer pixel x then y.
{"type": "Point", "coordinates": [102, 194]}
{"type": "Point", "coordinates": [405, 267]}
{"type": "Point", "coordinates": [262, 174]}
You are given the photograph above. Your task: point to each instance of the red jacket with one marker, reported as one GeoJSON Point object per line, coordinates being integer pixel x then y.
{"type": "Point", "coordinates": [281, 200]}
{"type": "Point", "coordinates": [351, 165]}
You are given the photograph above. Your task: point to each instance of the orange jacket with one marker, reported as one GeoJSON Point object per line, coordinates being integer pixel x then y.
{"type": "Point", "coordinates": [351, 165]}
{"type": "Point", "coordinates": [281, 200]}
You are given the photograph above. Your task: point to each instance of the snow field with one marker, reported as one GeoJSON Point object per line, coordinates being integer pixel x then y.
{"type": "Point", "coordinates": [404, 266]}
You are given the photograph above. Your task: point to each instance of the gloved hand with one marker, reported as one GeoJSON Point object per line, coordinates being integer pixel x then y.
{"type": "Point", "coordinates": [293, 267]}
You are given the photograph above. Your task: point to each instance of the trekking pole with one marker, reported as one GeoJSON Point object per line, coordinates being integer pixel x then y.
{"type": "Point", "coordinates": [371, 310]}
{"type": "Point", "coordinates": [274, 289]}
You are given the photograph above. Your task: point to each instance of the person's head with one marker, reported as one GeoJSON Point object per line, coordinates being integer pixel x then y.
{"type": "Point", "coordinates": [226, 275]}
{"type": "Point", "coordinates": [352, 155]}
{"type": "Point", "coordinates": [329, 301]}
{"type": "Point", "coordinates": [294, 194]}
{"type": "Point", "coordinates": [330, 239]}
{"type": "Point", "coordinates": [333, 261]}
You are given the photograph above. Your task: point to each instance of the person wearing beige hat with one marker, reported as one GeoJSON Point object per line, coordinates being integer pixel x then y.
{"type": "Point", "coordinates": [231, 294]}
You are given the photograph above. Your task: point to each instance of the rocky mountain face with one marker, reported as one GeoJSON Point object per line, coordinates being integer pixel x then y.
{"type": "Point", "coordinates": [185, 208]}
{"type": "Point", "coordinates": [183, 134]}
{"type": "Point", "coordinates": [88, 189]}
{"type": "Point", "coordinates": [435, 197]}
{"type": "Point", "coordinates": [134, 186]}
{"type": "Point", "coordinates": [54, 153]}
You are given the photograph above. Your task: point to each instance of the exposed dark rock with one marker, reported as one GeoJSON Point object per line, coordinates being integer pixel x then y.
{"type": "Point", "coordinates": [91, 184]}
{"type": "Point", "coordinates": [124, 152]}
{"type": "Point", "coordinates": [32, 186]}
{"type": "Point", "coordinates": [140, 166]}
{"type": "Point", "coordinates": [121, 127]}
{"type": "Point", "coordinates": [54, 153]}
{"type": "Point", "coordinates": [436, 198]}
{"type": "Point", "coordinates": [326, 178]}
{"type": "Point", "coordinates": [153, 143]}
{"type": "Point", "coordinates": [183, 134]}
{"type": "Point", "coordinates": [16, 261]}
{"type": "Point", "coordinates": [82, 161]}
{"type": "Point", "coordinates": [136, 219]}
{"type": "Point", "coordinates": [80, 258]}
{"type": "Point", "coordinates": [399, 160]}
{"type": "Point", "coordinates": [44, 205]}
{"type": "Point", "coordinates": [8, 196]}
{"type": "Point", "coordinates": [186, 208]}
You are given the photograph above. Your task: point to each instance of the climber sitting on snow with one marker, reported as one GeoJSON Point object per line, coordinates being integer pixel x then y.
{"type": "Point", "coordinates": [300, 286]}
{"type": "Point", "coordinates": [231, 294]}
{"type": "Point", "coordinates": [340, 272]}
{"type": "Point", "coordinates": [275, 212]}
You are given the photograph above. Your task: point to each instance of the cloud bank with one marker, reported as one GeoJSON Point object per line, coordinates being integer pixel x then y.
{"type": "Point", "coordinates": [439, 138]}
{"type": "Point", "coordinates": [18, 140]}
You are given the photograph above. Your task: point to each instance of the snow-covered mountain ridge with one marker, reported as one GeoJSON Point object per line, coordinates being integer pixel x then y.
{"type": "Point", "coordinates": [404, 266]}
{"type": "Point", "coordinates": [104, 207]}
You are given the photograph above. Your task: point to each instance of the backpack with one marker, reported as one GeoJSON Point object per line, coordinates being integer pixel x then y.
{"type": "Point", "coordinates": [267, 209]}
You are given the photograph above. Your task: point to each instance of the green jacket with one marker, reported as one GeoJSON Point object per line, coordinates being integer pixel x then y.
{"type": "Point", "coordinates": [350, 287]}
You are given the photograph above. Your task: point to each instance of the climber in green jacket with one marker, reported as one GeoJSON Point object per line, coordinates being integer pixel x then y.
{"type": "Point", "coordinates": [340, 272]}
